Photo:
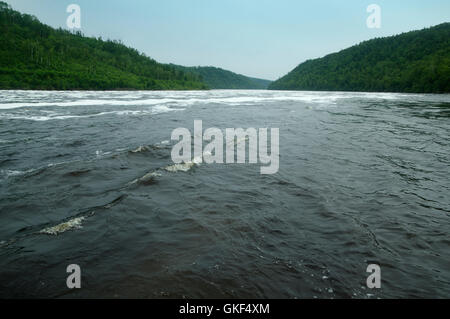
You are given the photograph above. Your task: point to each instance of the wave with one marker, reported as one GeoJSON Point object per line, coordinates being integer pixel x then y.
{"type": "Point", "coordinates": [99, 155]}
{"type": "Point", "coordinates": [74, 223]}
{"type": "Point", "coordinates": [186, 166]}
{"type": "Point", "coordinates": [140, 149]}
{"type": "Point", "coordinates": [9, 173]}
{"type": "Point", "coordinates": [186, 99]}
{"type": "Point", "coordinates": [147, 179]}
{"type": "Point", "coordinates": [7, 106]}
{"type": "Point", "coordinates": [40, 118]}
{"type": "Point", "coordinates": [63, 227]}
{"type": "Point", "coordinates": [183, 167]}
{"type": "Point", "coordinates": [35, 171]}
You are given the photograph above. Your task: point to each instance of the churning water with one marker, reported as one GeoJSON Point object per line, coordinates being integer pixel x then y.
{"type": "Point", "coordinates": [364, 178]}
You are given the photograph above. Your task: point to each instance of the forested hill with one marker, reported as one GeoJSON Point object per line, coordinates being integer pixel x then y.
{"type": "Point", "coordinates": [36, 56]}
{"type": "Point", "coordinates": [216, 78]}
{"type": "Point", "coordinates": [417, 61]}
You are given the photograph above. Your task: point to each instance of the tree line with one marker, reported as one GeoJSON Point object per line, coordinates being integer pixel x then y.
{"type": "Point", "coordinates": [414, 62]}
{"type": "Point", "coordinates": [36, 56]}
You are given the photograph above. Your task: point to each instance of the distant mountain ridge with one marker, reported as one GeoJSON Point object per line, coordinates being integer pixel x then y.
{"type": "Point", "coordinates": [36, 56]}
{"type": "Point", "coordinates": [412, 62]}
{"type": "Point", "coordinates": [217, 78]}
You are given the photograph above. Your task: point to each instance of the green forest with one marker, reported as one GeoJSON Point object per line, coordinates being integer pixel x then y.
{"type": "Point", "coordinates": [216, 78]}
{"type": "Point", "coordinates": [413, 62]}
{"type": "Point", "coordinates": [36, 56]}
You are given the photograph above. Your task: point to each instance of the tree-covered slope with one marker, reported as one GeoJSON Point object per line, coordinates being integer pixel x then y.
{"type": "Point", "coordinates": [36, 56]}
{"type": "Point", "coordinates": [216, 78]}
{"type": "Point", "coordinates": [417, 61]}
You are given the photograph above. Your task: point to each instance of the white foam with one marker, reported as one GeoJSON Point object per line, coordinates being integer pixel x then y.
{"type": "Point", "coordinates": [100, 153]}
{"type": "Point", "coordinates": [146, 178]}
{"type": "Point", "coordinates": [9, 173]}
{"type": "Point", "coordinates": [184, 167]}
{"type": "Point", "coordinates": [164, 109]}
{"type": "Point", "coordinates": [63, 227]}
{"type": "Point", "coordinates": [7, 106]}
{"type": "Point", "coordinates": [55, 116]}
{"type": "Point", "coordinates": [178, 100]}
{"type": "Point", "coordinates": [64, 105]}
{"type": "Point", "coordinates": [140, 149]}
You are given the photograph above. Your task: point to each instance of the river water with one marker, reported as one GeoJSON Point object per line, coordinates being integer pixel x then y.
{"type": "Point", "coordinates": [364, 178]}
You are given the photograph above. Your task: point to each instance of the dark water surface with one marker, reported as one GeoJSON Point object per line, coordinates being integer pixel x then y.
{"type": "Point", "coordinates": [363, 178]}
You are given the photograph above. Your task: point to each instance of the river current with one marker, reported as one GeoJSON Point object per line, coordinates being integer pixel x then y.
{"type": "Point", "coordinates": [364, 178]}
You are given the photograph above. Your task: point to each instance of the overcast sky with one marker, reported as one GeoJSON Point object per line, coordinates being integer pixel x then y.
{"type": "Point", "coordinates": [260, 38]}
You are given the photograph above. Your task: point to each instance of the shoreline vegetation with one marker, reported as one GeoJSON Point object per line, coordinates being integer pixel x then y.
{"type": "Point", "coordinates": [35, 56]}
{"type": "Point", "coordinates": [412, 62]}
{"type": "Point", "coordinates": [217, 78]}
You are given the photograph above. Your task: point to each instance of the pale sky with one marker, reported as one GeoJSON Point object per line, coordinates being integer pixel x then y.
{"type": "Point", "coordinates": [259, 38]}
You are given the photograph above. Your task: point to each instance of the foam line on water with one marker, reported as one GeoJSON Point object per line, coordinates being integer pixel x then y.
{"type": "Point", "coordinates": [75, 223]}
